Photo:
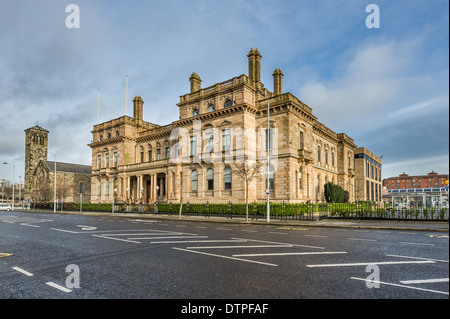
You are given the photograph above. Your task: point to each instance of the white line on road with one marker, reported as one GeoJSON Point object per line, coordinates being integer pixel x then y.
{"type": "Point", "coordinates": [373, 263]}
{"type": "Point", "coordinates": [52, 284]}
{"type": "Point", "coordinates": [423, 281]}
{"type": "Point", "coordinates": [226, 247]}
{"type": "Point", "coordinates": [362, 239]}
{"type": "Point", "coordinates": [29, 274]}
{"type": "Point", "coordinates": [250, 231]}
{"type": "Point", "coordinates": [445, 261]}
{"type": "Point", "coordinates": [403, 286]}
{"type": "Point", "coordinates": [196, 241]}
{"type": "Point", "coordinates": [292, 254]}
{"type": "Point", "coordinates": [277, 233]}
{"type": "Point", "coordinates": [30, 225]}
{"type": "Point", "coordinates": [168, 237]}
{"type": "Point", "coordinates": [411, 243]}
{"type": "Point", "coordinates": [274, 242]}
{"type": "Point", "coordinates": [318, 236]}
{"type": "Point", "coordinates": [119, 239]}
{"type": "Point", "coordinates": [223, 229]}
{"type": "Point", "coordinates": [226, 257]}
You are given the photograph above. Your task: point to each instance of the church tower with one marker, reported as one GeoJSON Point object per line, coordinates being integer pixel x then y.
{"type": "Point", "coordinates": [36, 144]}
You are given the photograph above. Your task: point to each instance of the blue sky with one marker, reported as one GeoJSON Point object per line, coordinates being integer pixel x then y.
{"type": "Point", "coordinates": [386, 88]}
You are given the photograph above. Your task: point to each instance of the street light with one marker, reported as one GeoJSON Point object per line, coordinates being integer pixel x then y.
{"type": "Point", "coordinates": [14, 172]}
{"type": "Point", "coordinates": [54, 193]}
{"type": "Point", "coordinates": [268, 162]}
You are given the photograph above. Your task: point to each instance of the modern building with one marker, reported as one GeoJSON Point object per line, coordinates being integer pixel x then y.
{"type": "Point", "coordinates": [195, 158]}
{"type": "Point", "coordinates": [368, 167]}
{"type": "Point", "coordinates": [404, 181]}
{"type": "Point", "coordinates": [71, 179]}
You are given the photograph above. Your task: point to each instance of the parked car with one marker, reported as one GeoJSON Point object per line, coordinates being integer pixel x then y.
{"type": "Point", "coordinates": [6, 207]}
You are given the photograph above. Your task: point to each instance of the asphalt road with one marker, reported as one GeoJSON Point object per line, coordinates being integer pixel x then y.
{"type": "Point", "coordinates": [60, 256]}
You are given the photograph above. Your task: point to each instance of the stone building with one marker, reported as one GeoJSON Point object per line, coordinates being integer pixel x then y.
{"type": "Point", "coordinates": [71, 179]}
{"type": "Point", "coordinates": [195, 157]}
{"type": "Point", "coordinates": [368, 167]}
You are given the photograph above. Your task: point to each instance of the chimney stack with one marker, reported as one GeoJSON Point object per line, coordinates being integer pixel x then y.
{"type": "Point", "coordinates": [254, 66]}
{"type": "Point", "coordinates": [138, 108]}
{"type": "Point", "coordinates": [277, 82]}
{"type": "Point", "coordinates": [195, 82]}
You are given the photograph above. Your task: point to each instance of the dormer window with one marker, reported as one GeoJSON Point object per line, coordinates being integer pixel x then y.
{"type": "Point", "coordinates": [101, 137]}
{"type": "Point", "coordinates": [211, 108]}
{"type": "Point", "coordinates": [195, 112]}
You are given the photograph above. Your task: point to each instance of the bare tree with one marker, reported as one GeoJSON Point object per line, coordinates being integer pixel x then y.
{"type": "Point", "coordinates": [247, 172]}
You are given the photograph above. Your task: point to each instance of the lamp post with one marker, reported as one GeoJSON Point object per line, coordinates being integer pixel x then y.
{"type": "Point", "coordinates": [54, 192]}
{"type": "Point", "coordinates": [14, 172]}
{"type": "Point", "coordinates": [268, 162]}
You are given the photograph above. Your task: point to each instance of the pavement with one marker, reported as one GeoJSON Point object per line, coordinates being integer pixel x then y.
{"type": "Point", "coordinates": [429, 226]}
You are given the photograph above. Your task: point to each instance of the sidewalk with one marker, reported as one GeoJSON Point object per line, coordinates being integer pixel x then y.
{"type": "Point", "coordinates": [434, 226]}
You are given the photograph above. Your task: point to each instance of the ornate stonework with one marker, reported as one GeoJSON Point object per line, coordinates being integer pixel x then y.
{"type": "Point", "coordinates": [139, 161]}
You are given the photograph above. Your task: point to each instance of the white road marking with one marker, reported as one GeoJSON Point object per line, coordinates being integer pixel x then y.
{"type": "Point", "coordinates": [29, 274]}
{"type": "Point", "coordinates": [292, 254]}
{"type": "Point", "coordinates": [167, 237]}
{"type": "Point", "coordinates": [445, 261]}
{"type": "Point", "coordinates": [373, 263]}
{"type": "Point", "coordinates": [318, 236]}
{"type": "Point", "coordinates": [277, 233]}
{"type": "Point", "coordinates": [52, 284]}
{"type": "Point", "coordinates": [362, 239]}
{"type": "Point", "coordinates": [274, 242]}
{"type": "Point", "coordinates": [23, 224]}
{"type": "Point", "coordinates": [403, 286]}
{"type": "Point", "coordinates": [250, 231]}
{"type": "Point", "coordinates": [223, 229]}
{"type": "Point", "coordinates": [226, 257]}
{"type": "Point", "coordinates": [226, 247]}
{"type": "Point", "coordinates": [119, 239]}
{"type": "Point", "coordinates": [196, 241]}
{"type": "Point", "coordinates": [411, 243]}
{"type": "Point", "coordinates": [423, 281]}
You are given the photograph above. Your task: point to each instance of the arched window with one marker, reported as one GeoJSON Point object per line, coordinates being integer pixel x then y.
{"type": "Point", "coordinates": [194, 180]}
{"type": "Point", "coordinates": [227, 177]}
{"type": "Point", "coordinates": [210, 179]}
{"type": "Point", "coordinates": [227, 103]}
{"type": "Point", "coordinates": [300, 180]}
{"type": "Point", "coordinates": [195, 112]}
{"type": "Point", "coordinates": [211, 108]}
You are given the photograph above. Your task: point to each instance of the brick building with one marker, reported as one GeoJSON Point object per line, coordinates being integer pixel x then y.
{"type": "Point", "coordinates": [404, 181]}
{"type": "Point", "coordinates": [195, 158]}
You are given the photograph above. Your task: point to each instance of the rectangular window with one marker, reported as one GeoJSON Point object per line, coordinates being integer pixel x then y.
{"type": "Point", "coordinates": [99, 161]}
{"type": "Point", "coordinates": [226, 142]}
{"type": "Point", "coordinates": [107, 160]}
{"type": "Point", "coordinates": [167, 152]}
{"type": "Point", "coordinates": [158, 154]}
{"type": "Point", "coordinates": [115, 159]}
{"type": "Point", "coordinates": [100, 187]}
{"type": "Point", "coordinates": [302, 142]}
{"type": "Point", "coordinates": [193, 145]}
{"type": "Point", "coordinates": [209, 142]}
{"type": "Point", "coordinates": [150, 155]}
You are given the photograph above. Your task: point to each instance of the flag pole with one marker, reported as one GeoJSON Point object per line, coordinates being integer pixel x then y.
{"type": "Point", "coordinates": [126, 97]}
